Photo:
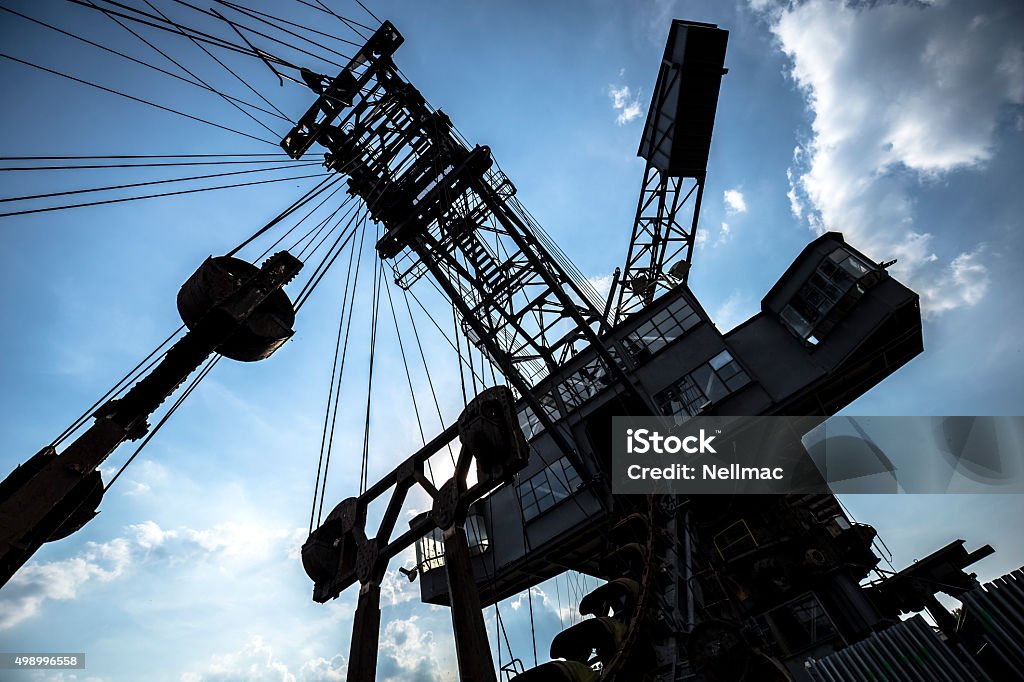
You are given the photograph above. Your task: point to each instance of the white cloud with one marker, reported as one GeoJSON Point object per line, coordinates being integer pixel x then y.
{"type": "Point", "coordinates": [254, 662]}
{"type": "Point", "coordinates": [735, 309]}
{"type": "Point", "coordinates": [148, 535]}
{"type": "Point", "coordinates": [62, 676]}
{"type": "Point", "coordinates": [724, 235]}
{"type": "Point", "coordinates": [624, 102]}
{"type": "Point", "coordinates": [39, 582]}
{"type": "Point", "coordinates": [135, 489]}
{"type": "Point", "coordinates": [236, 539]}
{"type": "Point", "coordinates": [602, 285]}
{"type": "Point", "coordinates": [408, 653]}
{"type": "Point", "coordinates": [735, 203]}
{"type": "Point", "coordinates": [396, 588]}
{"type": "Point", "coordinates": [567, 609]}
{"type": "Point", "coordinates": [900, 94]}
{"type": "Point", "coordinates": [795, 205]}
{"type": "Point", "coordinates": [257, 661]}
{"type": "Point", "coordinates": [963, 282]}
{"type": "Point", "coordinates": [701, 238]}
{"type": "Point", "coordinates": [324, 669]}
{"type": "Point", "coordinates": [62, 580]}
{"type": "Point", "coordinates": [141, 478]}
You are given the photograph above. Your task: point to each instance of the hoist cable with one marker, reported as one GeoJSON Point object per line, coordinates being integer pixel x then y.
{"type": "Point", "coordinates": [341, 370]}
{"type": "Point", "coordinates": [408, 375]}
{"type": "Point", "coordinates": [558, 596]}
{"type": "Point", "coordinates": [314, 232]}
{"type": "Point", "coordinates": [147, 183]}
{"type": "Point", "coordinates": [139, 369]}
{"type": "Point", "coordinates": [155, 196]}
{"type": "Point", "coordinates": [365, 468]}
{"type": "Point", "coordinates": [302, 220]}
{"type": "Point", "coordinates": [201, 85]}
{"type": "Point", "coordinates": [426, 367]}
{"type": "Point", "coordinates": [249, 13]}
{"type": "Point", "coordinates": [133, 156]}
{"type": "Point", "coordinates": [458, 354]}
{"type": "Point", "coordinates": [504, 633]}
{"type": "Point", "coordinates": [324, 266]}
{"type": "Point", "coordinates": [533, 628]}
{"type": "Point", "coordinates": [134, 98]}
{"type": "Point", "coordinates": [259, 33]}
{"type": "Point", "coordinates": [163, 420]}
{"type": "Point", "coordinates": [330, 391]}
{"type": "Point", "coordinates": [249, 10]}
{"type": "Point", "coordinates": [166, 164]}
{"type": "Point", "coordinates": [197, 78]}
{"type": "Point", "coordinates": [205, 37]}
{"type": "Point", "coordinates": [298, 203]}
{"type": "Point", "coordinates": [226, 68]}
{"type": "Point", "coordinates": [430, 317]}
{"type": "Point", "coordinates": [345, 20]}
{"type": "Point", "coordinates": [375, 17]}
{"type": "Point", "coordinates": [405, 362]}
{"type": "Point", "coordinates": [315, 245]}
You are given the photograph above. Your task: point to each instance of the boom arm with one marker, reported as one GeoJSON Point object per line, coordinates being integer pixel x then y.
{"type": "Point", "coordinates": [53, 495]}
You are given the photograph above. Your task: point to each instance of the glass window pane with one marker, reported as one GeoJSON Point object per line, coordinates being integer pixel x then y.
{"type": "Point", "coordinates": [680, 307]}
{"type": "Point", "coordinates": [556, 484]}
{"type": "Point", "coordinates": [739, 381]}
{"type": "Point", "coordinates": [690, 320]}
{"type": "Point", "coordinates": [796, 321]}
{"type": "Point", "coordinates": [716, 388]}
{"type": "Point", "coordinates": [855, 267]}
{"type": "Point", "coordinates": [571, 475]}
{"type": "Point", "coordinates": [720, 360]}
{"type": "Point", "coordinates": [664, 320]}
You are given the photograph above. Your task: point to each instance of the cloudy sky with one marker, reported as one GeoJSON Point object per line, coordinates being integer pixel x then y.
{"type": "Point", "coordinates": [900, 124]}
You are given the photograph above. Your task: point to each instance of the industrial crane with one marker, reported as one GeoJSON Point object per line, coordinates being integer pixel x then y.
{"type": "Point", "coordinates": [695, 588]}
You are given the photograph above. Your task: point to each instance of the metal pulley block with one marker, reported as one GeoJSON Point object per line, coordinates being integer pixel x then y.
{"type": "Point", "coordinates": [263, 330]}
{"type": "Point", "coordinates": [320, 555]}
{"type": "Point", "coordinates": [332, 551]}
{"type": "Point", "coordinates": [489, 430]}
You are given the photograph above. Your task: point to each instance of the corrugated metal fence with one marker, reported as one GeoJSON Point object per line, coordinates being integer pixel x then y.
{"type": "Point", "coordinates": [911, 650]}
{"type": "Point", "coordinates": [998, 608]}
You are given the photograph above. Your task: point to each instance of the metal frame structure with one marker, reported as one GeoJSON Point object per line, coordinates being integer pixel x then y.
{"type": "Point", "coordinates": [448, 211]}
{"type": "Point", "coordinates": [694, 587]}
{"type": "Point", "coordinates": [676, 143]}
{"type": "Point", "coordinates": [53, 495]}
{"type": "Point", "coordinates": [659, 237]}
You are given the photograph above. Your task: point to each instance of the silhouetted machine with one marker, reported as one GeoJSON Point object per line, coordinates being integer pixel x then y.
{"type": "Point", "coordinates": [705, 588]}
{"type": "Point", "coordinates": [231, 307]}
{"type": "Point", "coordinates": [723, 589]}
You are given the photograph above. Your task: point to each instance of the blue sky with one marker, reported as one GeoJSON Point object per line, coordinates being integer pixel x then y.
{"type": "Point", "coordinates": [899, 124]}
